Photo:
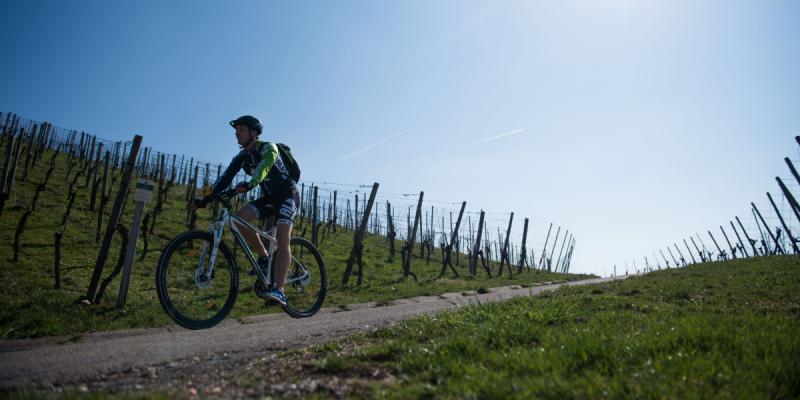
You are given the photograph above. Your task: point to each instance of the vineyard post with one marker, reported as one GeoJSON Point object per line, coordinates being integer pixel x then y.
{"type": "Point", "coordinates": [703, 245]}
{"type": "Point", "coordinates": [335, 215]}
{"type": "Point", "coordinates": [690, 251]}
{"type": "Point", "coordinates": [87, 165]}
{"type": "Point", "coordinates": [560, 251]}
{"type": "Point", "coordinates": [715, 243]}
{"type": "Point", "coordinates": [749, 240]}
{"type": "Point", "coordinates": [408, 249]}
{"type": "Point", "coordinates": [29, 151]}
{"type": "Point", "coordinates": [733, 252]}
{"type": "Point", "coordinates": [314, 217]}
{"type": "Point", "coordinates": [143, 195]}
{"type": "Point", "coordinates": [103, 199]}
{"type": "Point", "coordinates": [7, 160]}
{"type": "Point", "coordinates": [544, 248]}
{"type": "Point", "coordinates": [93, 194]}
{"type": "Point", "coordinates": [569, 255]}
{"type": "Point", "coordinates": [523, 254]}
{"type": "Point", "coordinates": [683, 260]}
{"type": "Point", "coordinates": [677, 264]}
{"type": "Point", "coordinates": [504, 252]}
{"type": "Point", "coordinates": [356, 251]}
{"type": "Point", "coordinates": [774, 239]}
{"type": "Point", "coordinates": [791, 168]}
{"type": "Point", "coordinates": [553, 251]}
{"type": "Point", "coordinates": [792, 201]}
{"type": "Point", "coordinates": [662, 256]}
{"type": "Point", "coordinates": [702, 255]}
{"type": "Point", "coordinates": [473, 263]}
{"type": "Point", "coordinates": [741, 243]}
{"type": "Point", "coordinates": [447, 261]}
{"type": "Point", "coordinates": [112, 222]}
{"type": "Point", "coordinates": [783, 223]}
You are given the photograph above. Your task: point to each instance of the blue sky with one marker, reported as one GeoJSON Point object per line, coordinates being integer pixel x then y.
{"type": "Point", "coordinates": [631, 123]}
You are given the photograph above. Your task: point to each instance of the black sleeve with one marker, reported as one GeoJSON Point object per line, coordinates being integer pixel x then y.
{"type": "Point", "coordinates": [224, 181]}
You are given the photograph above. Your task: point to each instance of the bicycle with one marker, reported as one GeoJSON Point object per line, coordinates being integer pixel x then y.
{"type": "Point", "coordinates": [198, 294]}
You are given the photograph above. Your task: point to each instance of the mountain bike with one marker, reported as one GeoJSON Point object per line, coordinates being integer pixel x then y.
{"type": "Point", "coordinates": [197, 278]}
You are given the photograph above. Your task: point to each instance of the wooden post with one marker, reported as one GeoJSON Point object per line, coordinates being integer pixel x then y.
{"type": "Point", "coordinates": [408, 249]}
{"type": "Point", "coordinates": [103, 199]}
{"type": "Point", "coordinates": [778, 246]}
{"type": "Point", "coordinates": [790, 198]}
{"type": "Point", "coordinates": [116, 211]}
{"type": "Point", "coordinates": [683, 260]}
{"type": "Point", "coordinates": [523, 253]}
{"type": "Point", "coordinates": [677, 264]}
{"type": "Point", "coordinates": [702, 254]}
{"type": "Point", "coordinates": [314, 217]}
{"type": "Point", "coordinates": [355, 253]}
{"type": "Point", "coordinates": [477, 250]}
{"type": "Point", "coordinates": [558, 259]}
{"type": "Point", "coordinates": [447, 261]}
{"type": "Point", "coordinates": [95, 183]}
{"type": "Point", "coordinates": [504, 252]}
{"type": "Point", "coordinates": [553, 251]}
{"type": "Point", "coordinates": [690, 251]}
{"type": "Point", "coordinates": [721, 253]}
{"type": "Point", "coordinates": [7, 161]}
{"type": "Point", "coordinates": [783, 223]}
{"type": "Point", "coordinates": [568, 256]}
{"type": "Point", "coordinates": [335, 215]}
{"type": "Point", "coordinates": [544, 248]}
{"type": "Point", "coordinates": [662, 256]}
{"type": "Point", "coordinates": [791, 168]}
{"type": "Point", "coordinates": [703, 245]}
{"type": "Point", "coordinates": [730, 246]}
{"type": "Point", "coordinates": [741, 243]}
{"type": "Point", "coordinates": [391, 235]}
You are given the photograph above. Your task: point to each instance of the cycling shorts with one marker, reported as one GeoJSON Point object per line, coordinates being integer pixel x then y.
{"type": "Point", "coordinates": [285, 208]}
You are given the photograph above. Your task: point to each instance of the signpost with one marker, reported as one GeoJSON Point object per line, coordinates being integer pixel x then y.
{"type": "Point", "coordinates": [142, 196]}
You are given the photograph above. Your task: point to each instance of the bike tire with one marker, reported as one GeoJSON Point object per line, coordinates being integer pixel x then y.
{"type": "Point", "coordinates": [177, 285]}
{"type": "Point", "coordinates": [305, 297]}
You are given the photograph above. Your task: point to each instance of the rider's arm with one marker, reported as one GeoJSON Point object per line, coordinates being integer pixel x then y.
{"type": "Point", "coordinates": [268, 157]}
{"type": "Point", "coordinates": [225, 179]}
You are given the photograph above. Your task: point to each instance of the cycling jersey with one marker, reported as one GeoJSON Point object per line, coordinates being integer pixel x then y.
{"type": "Point", "coordinates": [264, 164]}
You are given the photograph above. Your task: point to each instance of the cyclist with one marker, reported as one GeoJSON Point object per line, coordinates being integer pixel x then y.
{"type": "Point", "coordinates": [263, 162]}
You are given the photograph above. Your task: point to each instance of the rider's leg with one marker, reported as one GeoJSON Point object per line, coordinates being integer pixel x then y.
{"type": "Point", "coordinates": [286, 213]}
{"type": "Point", "coordinates": [284, 235]}
{"type": "Point", "coordinates": [249, 213]}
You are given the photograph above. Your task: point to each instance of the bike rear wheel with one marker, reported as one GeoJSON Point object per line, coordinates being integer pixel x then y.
{"type": "Point", "coordinates": [191, 297]}
{"type": "Point", "coordinates": [306, 280]}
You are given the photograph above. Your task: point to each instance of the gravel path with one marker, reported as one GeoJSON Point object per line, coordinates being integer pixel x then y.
{"type": "Point", "coordinates": [170, 358]}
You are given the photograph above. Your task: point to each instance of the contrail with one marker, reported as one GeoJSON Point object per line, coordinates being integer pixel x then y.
{"type": "Point", "coordinates": [398, 134]}
{"type": "Point", "coordinates": [440, 152]}
{"type": "Point", "coordinates": [374, 144]}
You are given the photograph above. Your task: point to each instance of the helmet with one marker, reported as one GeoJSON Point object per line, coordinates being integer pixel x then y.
{"type": "Point", "coordinates": [248, 121]}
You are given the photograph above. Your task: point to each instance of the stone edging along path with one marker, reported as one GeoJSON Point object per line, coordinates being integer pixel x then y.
{"type": "Point", "coordinates": [49, 361]}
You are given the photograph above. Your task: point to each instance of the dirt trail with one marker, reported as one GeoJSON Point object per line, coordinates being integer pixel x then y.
{"type": "Point", "coordinates": [131, 357]}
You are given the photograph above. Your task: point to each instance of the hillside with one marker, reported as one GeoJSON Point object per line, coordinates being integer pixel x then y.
{"type": "Point", "coordinates": [33, 307]}
{"type": "Point", "coordinates": [715, 330]}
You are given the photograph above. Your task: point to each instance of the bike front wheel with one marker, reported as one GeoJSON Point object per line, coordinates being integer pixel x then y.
{"type": "Point", "coordinates": [196, 293]}
{"type": "Point", "coordinates": [306, 280]}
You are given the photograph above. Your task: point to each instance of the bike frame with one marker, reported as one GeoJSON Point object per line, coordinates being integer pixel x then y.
{"type": "Point", "coordinates": [218, 227]}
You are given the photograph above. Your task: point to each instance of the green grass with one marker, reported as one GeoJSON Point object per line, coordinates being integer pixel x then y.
{"type": "Point", "coordinates": [718, 330]}
{"type": "Point", "coordinates": [31, 307]}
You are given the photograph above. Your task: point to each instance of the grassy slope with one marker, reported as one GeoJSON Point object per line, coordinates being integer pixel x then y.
{"type": "Point", "coordinates": [31, 307]}
{"type": "Point", "coordinates": [721, 330]}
